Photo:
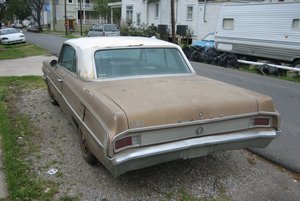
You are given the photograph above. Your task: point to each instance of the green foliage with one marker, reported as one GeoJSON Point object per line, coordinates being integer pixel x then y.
{"type": "Point", "coordinates": [143, 30]}
{"type": "Point", "coordinates": [101, 8]}
{"type": "Point", "coordinates": [67, 198]}
{"type": "Point", "coordinates": [18, 8]}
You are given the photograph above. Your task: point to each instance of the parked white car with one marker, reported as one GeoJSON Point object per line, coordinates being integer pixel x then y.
{"type": "Point", "coordinates": [11, 35]}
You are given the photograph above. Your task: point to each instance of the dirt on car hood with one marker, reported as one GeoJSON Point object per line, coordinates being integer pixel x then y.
{"type": "Point", "coordinates": [157, 101]}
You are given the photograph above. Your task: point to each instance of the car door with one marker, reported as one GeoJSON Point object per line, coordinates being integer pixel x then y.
{"type": "Point", "coordinates": [99, 30]}
{"type": "Point", "coordinates": [72, 85]}
{"type": "Point", "coordinates": [57, 75]}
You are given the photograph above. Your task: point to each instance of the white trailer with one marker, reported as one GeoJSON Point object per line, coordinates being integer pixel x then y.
{"type": "Point", "coordinates": [267, 30]}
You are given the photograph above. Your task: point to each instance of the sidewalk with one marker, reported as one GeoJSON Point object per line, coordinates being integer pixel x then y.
{"type": "Point", "coordinates": [24, 66]}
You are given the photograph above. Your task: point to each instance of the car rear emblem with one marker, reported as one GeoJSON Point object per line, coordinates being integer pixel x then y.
{"type": "Point", "coordinates": [199, 131]}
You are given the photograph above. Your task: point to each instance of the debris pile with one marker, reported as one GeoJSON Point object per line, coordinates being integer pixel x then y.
{"type": "Point", "coordinates": [211, 56]}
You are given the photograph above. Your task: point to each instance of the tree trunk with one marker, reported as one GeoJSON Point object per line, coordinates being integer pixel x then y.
{"type": "Point", "coordinates": [38, 16]}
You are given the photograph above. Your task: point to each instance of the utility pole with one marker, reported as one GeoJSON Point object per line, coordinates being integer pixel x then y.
{"type": "Point", "coordinates": [53, 15]}
{"type": "Point", "coordinates": [80, 20]}
{"type": "Point", "coordinates": [66, 22]}
{"type": "Point", "coordinates": [173, 21]}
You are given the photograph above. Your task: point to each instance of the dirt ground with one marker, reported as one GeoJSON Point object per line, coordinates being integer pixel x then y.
{"type": "Point", "coordinates": [230, 175]}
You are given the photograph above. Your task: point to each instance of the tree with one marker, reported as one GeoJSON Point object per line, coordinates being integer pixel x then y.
{"type": "Point", "coordinates": [37, 8]}
{"type": "Point", "coordinates": [101, 9]}
{"type": "Point", "coordinates": [3, 7]}
{"type": "Point", "coordinates": [14, 8]}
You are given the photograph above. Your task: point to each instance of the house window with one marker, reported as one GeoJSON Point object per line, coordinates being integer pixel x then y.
{"type": "Point", "coordinates": [189, 14]}
{"type": "Point", "coordinates": [138, 19]}
{"type": "Point", "coordinates": [228, 24]}
{"type": "Point", "coordinates": [296, 24]}
{"type": "Point", "coordinates": [129, 12]}
{"type": "Point", "coordinates": [156, 10]}
{"type": "Point", "coordinates": [70, 1]}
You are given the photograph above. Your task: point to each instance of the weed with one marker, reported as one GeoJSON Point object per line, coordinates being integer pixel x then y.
{"type": "Point", "coordinates": [17, 135]}
{"type": "Point", "coordinates": [68, 198]}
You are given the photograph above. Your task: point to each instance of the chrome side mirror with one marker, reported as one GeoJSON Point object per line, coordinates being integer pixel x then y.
{"type": "Point", "coordinates": [53, 63]}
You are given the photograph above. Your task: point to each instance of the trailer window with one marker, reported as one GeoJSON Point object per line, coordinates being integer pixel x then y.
{"type": "Point", "coordinates": [228, 24]}
{"type": "Point", "coordinates": [296, 24]}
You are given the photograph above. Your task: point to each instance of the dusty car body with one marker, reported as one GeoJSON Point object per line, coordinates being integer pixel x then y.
{"type": "Point", "coordinates": [11, 36]}
{"type": "Point", "coordinates": [137, 102]}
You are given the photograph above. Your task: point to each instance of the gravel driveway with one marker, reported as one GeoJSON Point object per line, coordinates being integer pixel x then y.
{"type": "Point", "coordinates": [231, 175]}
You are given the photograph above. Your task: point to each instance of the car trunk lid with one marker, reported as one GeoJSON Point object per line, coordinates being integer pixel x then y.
{"type": "Point", "coordinates": [171, 100]}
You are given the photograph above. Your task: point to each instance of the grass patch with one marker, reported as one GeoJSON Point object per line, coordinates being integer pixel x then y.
{"type": "Point", "coordinates": [67, 198]}
{"type": "Point", "coordinates": [16, 134]}
{"type": "Point", "coordinates": [13, 51]}
{"type": "Point", "coordinates": [246, 68]}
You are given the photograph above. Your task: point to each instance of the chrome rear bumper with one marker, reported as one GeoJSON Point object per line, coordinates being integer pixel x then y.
{"type": "Point", "coordinates": [141, 157]}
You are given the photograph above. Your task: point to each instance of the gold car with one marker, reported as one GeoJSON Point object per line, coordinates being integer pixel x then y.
{"type": "Point", "coordinates": [137, 102]}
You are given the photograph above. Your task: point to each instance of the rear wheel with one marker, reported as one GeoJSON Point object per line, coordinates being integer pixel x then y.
{"type": "Point", "coordinates": [86, 153]}
{"type": "Point", "coordinates": [51, 96]}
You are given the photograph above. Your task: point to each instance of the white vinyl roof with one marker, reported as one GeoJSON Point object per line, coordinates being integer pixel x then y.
{"type": "Point", "coordinates": [122, 41]}
{"type": "Point", "coordinates": [86, 47]}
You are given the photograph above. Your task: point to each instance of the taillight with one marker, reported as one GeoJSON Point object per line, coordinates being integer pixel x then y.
{"type": "Point", "coordinates": [126, 142]}
{"type": "Point", "coordinates": [261, 121]}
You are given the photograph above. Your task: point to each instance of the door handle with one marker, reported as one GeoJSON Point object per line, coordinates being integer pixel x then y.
{"type": "Point", "coordinates": [59, 79]}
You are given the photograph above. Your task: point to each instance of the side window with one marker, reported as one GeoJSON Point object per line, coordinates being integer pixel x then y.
{"type": "Point", "coordinates": [189, 13]}
{"type": "Point", "coordinates": [296, 24]}
{"type": "Point", "coordinates": [67, 58]}
{"type": "Point", "coordinates": [228, 24]}
{"type": "Point", "coordinates": [129, 14]}
{"type": "Point", "coordinates": [99, 27]}
{"type": "Point", "coordinates": [156, 10]}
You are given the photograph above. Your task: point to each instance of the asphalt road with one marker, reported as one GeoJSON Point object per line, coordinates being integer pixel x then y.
{"type": "Point", "coordinates": [285, 150]}
{"type": "Point", "coordinates": [50, 42]}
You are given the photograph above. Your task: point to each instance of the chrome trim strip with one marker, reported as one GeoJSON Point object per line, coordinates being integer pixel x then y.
{"type": "Point", "coordinates": [136, 77]}
{"type": "Point", "coordinates": [144, 76]}
{"type": "Point", "coordinates": [78, 117]}
{"type": "Point", "coordinates": [155, 150]}
{"type": "Point", "coordinates": [48, 78]}
{"type": "Point", "coordinates": [192, 123]}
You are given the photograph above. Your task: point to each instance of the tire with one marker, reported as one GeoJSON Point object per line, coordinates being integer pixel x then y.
{"type": "Point", "coordinates": [296, 64]}
{"type": "Point", "coordinates": [51, 96]}
{"type": "Point", "coordinates": [86, 153]}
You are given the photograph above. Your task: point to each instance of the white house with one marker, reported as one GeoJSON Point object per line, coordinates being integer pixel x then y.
{"type": "Point", "coordinates": [199, 15]}
{"type": "Point", "coordinates": [54, 14]}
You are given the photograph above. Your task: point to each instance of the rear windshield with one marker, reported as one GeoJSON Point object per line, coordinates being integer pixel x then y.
{"type": "Point", "coordinates": [139, 61]}
{"type": "Point", "coordinates": [111, 27]}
